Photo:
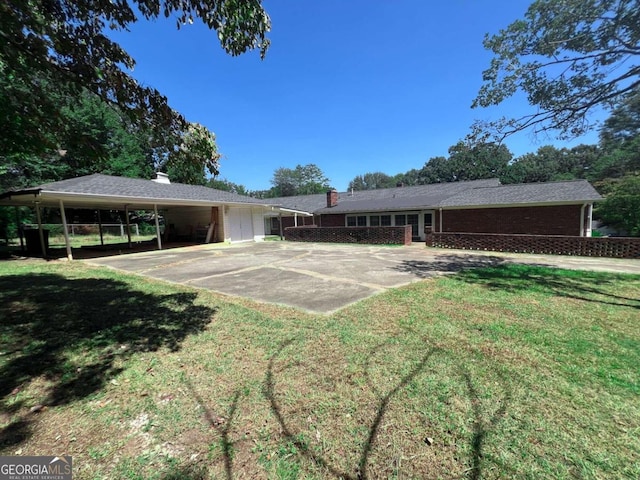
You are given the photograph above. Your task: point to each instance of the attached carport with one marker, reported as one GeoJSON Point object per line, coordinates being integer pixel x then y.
{"type": "Point", "coordinates": [221, 216]}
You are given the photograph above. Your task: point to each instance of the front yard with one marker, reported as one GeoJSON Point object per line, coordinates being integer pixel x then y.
{"type": "Point", "coordinates": [506, 372]}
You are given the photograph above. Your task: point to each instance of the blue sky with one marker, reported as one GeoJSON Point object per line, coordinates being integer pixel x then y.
{"type": "Point", "coordinates": [354, 86]}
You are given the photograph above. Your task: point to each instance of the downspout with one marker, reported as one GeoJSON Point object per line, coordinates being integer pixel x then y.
{"type": "Point", "coordinates": [67, 242]}
{"type": "Point", "coordinates": [582, 219]}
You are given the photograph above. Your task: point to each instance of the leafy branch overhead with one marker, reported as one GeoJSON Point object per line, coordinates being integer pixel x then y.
{"type": "Point", "coordinates": [568, 57]}
{"type": "Point", "coordinates": [65, 44]}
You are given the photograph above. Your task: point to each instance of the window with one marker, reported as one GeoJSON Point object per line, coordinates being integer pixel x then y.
{"type": "Point", "coordinates": [428, 219]}
{"type": "Point", "coordinates": [385, 220]}
{"type": "Point", "coordinates": [374, 220]}
{"type": "Point", "coordinates": [401, 220]}
{"type": "Point", "coordinates": [357, 221]}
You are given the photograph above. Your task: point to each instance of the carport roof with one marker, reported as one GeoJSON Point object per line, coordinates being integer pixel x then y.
{"type": "Point", "coordinates": [106, 191]}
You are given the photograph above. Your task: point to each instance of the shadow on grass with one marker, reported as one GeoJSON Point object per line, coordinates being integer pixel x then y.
{"type": "Point", "coordinates": [381, 409]}
{"type": "Point", "coordinates": [583, 285]}
{"type": "Point", "coordinates": [446, 263]}
{"type": "Point", "coordinates": [221, 424]}
{"type": "Point", "coordinates": [73, 333]}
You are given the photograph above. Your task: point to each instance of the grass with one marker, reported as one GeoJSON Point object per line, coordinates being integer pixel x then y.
{"type": "Point", "coordinates": [506, 372]}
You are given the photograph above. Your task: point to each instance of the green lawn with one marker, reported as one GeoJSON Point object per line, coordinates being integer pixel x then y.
{"type": "Point", "coordinates": [507, 372]}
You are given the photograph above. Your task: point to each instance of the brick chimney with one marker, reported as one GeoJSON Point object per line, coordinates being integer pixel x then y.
{"type": "Point", "coordinates": [332, 198]}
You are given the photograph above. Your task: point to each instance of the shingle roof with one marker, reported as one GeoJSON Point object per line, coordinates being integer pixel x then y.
{"type": "Point", "coordinates": [107, 185]}
{"type": "Point", "coordinates": [384, 199]}
{"type": "Point", "coordinates": [573, 191]}
{"type": "Point", "coordinates": [474, 193]}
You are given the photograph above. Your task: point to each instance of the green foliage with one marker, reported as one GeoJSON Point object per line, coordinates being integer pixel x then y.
{"type": "Point", "coordinates": [567, 57]}
{"type": "Point", "coordinates": [621, 208]}
{"type": "Point", "coordinates": [227, 186]}
{"type": "Point", "coordinates": [372, 181]}
{"type": "Point", "coordinates": [302, 180]}
{"type": "Point", "coordinates": [53, 51]}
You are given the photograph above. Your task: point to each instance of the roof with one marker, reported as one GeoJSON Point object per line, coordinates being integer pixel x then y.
{"type": "Point", "coordinates": [475, 193]}
{"type": "Point", "coordinates": [573, 191]}
{"type": "Point", "coordinates": [107, 189]}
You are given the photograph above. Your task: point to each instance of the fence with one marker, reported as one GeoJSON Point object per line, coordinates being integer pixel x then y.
{"type": "Point", "coordinates": [73, 229]}
{"type": "Point", "coordinates": [613, 247]}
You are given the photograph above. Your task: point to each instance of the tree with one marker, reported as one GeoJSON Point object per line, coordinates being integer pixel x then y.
{"type": "Point", "coordinates": [466, 162]}
{"type": "Point", "coordinates": [372, 181]}
{"type": "Point", "coordinates": [302, 180]}
{"type": "Point", "coordinates": [62, 46]}
{"type": "Point", "coordinates": [621, 207]}
{"type": "Point", "coordinates": [567, 57]}
{"type": "Point", "coordinates": [227, 186]}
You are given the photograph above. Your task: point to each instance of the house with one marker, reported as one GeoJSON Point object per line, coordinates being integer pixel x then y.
{"type": "Point", "coordinates": [479, 206]}
{"type": "Point", "coordinates": [188, 210]}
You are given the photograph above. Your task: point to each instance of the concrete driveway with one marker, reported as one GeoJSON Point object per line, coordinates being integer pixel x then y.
{"type": "Point", "coordinates": [320, 278]}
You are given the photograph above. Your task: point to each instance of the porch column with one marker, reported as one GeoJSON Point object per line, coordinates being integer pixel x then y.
{"type": "Point", "coordinates": [126, 214]}
{"type": "Point", "coordinates": [280, 222]}
{"type": "Point", "coordinates": [589, 219]}
{"type": "Point", "coordinates": [440, 220]}
{"type": "Point", "coordinates": [67, 242]}
{"type": "Point", "coordinates": [40, 233]}
{"type": "Point", "coordinates": [155, 211]}
{"type": "Point", "coordinates": [295, 219]}
{"type": "Point", "coordinates": [582, 229]}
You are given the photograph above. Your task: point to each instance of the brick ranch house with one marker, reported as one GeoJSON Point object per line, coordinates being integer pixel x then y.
{"type": "Point", "coordinates": [479, 206]}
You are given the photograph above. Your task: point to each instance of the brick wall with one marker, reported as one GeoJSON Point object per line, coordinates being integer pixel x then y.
{"type": "Point", "coordinates": [614, 247]}
{"type": "Point", "coordinates": [291, 221]}
{"type": "Point", "coordinates": [553, 220]}
{"type": "Point", "coordinates": [332, 220]}
{"type": "Point", "coordinates": [364, 235]}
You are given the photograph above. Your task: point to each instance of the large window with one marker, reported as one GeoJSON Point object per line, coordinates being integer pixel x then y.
{"type": "Point", "coordinates": [356, 221]}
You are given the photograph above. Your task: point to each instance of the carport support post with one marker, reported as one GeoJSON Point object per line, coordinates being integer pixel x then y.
{"type": "Point", "coordinates": [40, 233]}
{"type": "Point", "coordinates": [155, 211]}
{"type": "Point", "coordinates": [280, 223]}
{"type": "Point", "coordinates": [66, 232]}
{"type": "Point", "coordinates": [126, 214]}
{"type": "Point", "coordinates": [19, 227]}
{"type": "Point", "coordinates": [100, 228]}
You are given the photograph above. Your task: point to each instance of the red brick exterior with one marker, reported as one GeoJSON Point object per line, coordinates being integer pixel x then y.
{"type": "Point", "coordinates": [364, 235]}
{"type": "Point", "coordinates": [333, 220]}
{"type": "Point", "coordinates": [553, 220]}
{"type": "Point", "coordinates": [614, 247]}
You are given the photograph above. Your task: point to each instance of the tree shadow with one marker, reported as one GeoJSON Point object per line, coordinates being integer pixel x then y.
{"type": "Point", "coordinates": [579, 285]}
{"type": "Point", "coordinates": [381, 408]}
{"type": "Point", "coordinates": [221, 424]}
{"type": "Point", "coordinates": [446, 263]}
{"type": "Point", "coordinates": [482, 427]}
{"type": "Point", "coordinates": [73, 334]}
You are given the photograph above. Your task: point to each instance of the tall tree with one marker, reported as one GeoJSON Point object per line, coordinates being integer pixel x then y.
{"type": "Point", "coordinates": [302, 180]}
{"type": "Point", "coordinates": [567, 57]}
{"type": "Point", "coordinates": [372, 181]}
{"type": "Point", "coordinates": [64, 44]}
{"type": "Point", "coordinates": [621, 208]}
